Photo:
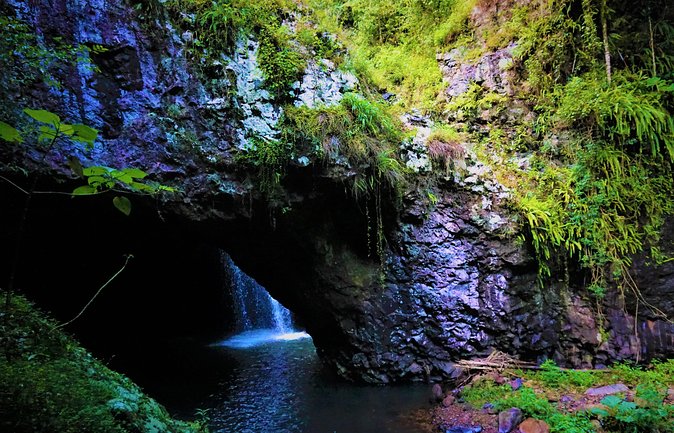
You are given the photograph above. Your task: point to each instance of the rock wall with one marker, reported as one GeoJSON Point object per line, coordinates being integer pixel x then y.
{"type": "Point", "coordinates": [454, 283]}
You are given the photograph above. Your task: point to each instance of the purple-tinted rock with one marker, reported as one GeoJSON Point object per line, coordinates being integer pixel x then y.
{"type": "Point", "coordinates": [509, 419]}
{"type": "Point", "coordinates": [436, 393]}
{"type": "Point", "coordinates": [603, 391]}
{"type": "Point", "coordinates": [516, 384]}
{"type": "Point", "coordinates": [458, 429]}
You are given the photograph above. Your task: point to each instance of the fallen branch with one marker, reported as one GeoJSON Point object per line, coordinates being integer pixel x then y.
{"type": "Point", "coordinates": [98, 292]}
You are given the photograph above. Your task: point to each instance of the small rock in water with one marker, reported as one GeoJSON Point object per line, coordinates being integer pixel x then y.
{"type": "Point", "coordinates": [603, 391]}
{"type": "Point", "coordinates": [509, 419]}
{"type": "Point", "coordinates": [476, 429]}
{"type": "Point", "coordinates": [436, 393]}
{"type": "Point", "coordinates": [531, 425]}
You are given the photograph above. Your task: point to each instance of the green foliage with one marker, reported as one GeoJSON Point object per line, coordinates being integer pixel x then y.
{"type": "Point", "coordinates": [485, 391]}
{"type": "Point", "coordinates": [552, 376]}
{"type": "Point", "coordinates": [281, 65]}
{"type": "Point", "coordinates": [446, 147]}
{"type": "Point", "coordinates": [393, 43]}
{"type": "Point", "coordinates": [473, 101]}
{"type": "Point", "coordinates": [535, 406]}
{"type": "Point", "coordinates": [48, 383]}
{"type": "Point", "coordinates": [647, 414]}
{"type": "Point", "coordinates": [271, 157]}
{"type": "Point", "coordinates": [99, 178]}
{"type": "Point", "coordinates": [217, 25]}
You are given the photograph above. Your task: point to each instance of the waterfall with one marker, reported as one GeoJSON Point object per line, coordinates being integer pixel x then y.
{"type": "Point", "coordinates": [259, 317]}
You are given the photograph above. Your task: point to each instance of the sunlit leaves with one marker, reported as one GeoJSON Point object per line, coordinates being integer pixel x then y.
{"type": "Point", "coordinates": [84, 134]}
{"type": "Point", "coordinates": [43, 116]}
{"type": "Point", "coordinates": [9, 133]}
{"type": "Point", "coordinates": [99, 178]}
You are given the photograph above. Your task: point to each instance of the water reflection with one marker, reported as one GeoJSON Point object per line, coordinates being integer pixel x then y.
{"type": "Point", "coordinates": [281, 387]}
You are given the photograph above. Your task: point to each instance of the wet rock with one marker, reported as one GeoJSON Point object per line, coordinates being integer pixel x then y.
{"type": "Point", "coordinates": [531, 425]}
{"type": "Point", "coordinates": [436, 393]}
{"type": "Point", "coordinates": [476, 429]}
{"type": "Point", "coordinates": [603, 391]}
{"type": "Point", "coordinates": [448, 400]}
{"type": "Point", "coordinates": [509, 419]}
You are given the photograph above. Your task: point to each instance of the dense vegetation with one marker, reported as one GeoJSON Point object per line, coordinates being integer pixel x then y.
{"type": "Point", "coordinates": [555, 395]}
{"type": "Point", "coordinates": [591, 173]}
{"type": "Point", "coordinates": [48, 383]}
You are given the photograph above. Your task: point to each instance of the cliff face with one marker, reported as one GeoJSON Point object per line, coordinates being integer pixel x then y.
{"type": "Point", "coordinates": [454, 283]}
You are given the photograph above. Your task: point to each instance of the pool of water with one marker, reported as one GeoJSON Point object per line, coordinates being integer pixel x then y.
{"type": "Point", "coordinates": [261, 382]}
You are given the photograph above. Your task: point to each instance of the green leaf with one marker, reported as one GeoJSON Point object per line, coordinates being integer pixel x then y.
{"type": "Point", "coordinates": [96, 180]}
{"type": "Point", "coordinates": [120, 176]}
{"type": "Point", "coordinates": [123, 204]}
{"type": "Point", "coordinates": [47, 133]}
{"type": "Point", "coordinates": [96, 170]}
{"type": "Point", "coordinates": [135, 173]}
{"type": "Point", "coordinates": [142, 187]}
{"type": "Point", "coordinates": [611, 401]}
{"type": "Point", "coordinates": [76, 166]}
{"type": "Point", "coordinates": [8, 133]}
{"type": "Point", "coordinates": [84, 190]}
{"type": "Point", "coordinates": [84, 134]}
{"type": "Point", "coordinates": [66, 129]}
{"type": "Point", "coordinates": [599, 412]}
{"type": "Point", "coordinates": [43, 116]}
{"type": "Point", "coordinates": [166, 188]}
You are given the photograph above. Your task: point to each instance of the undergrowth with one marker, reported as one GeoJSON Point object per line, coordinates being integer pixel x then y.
{"type": "Point", "coordinates": [540, 398]}
{"type": "Point", "coordinates": [48, 383]}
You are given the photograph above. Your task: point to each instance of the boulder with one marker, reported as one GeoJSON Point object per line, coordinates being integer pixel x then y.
{"type": "Point", "coordinates": [531, 425]}
{"type": "Point", "coordinates": [509, 419]}
{"type": "Point", "coordinates": [603, 391]}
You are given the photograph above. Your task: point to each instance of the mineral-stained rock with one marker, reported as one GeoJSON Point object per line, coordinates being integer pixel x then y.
{"type": "Point", "coordinates": [531, 425]}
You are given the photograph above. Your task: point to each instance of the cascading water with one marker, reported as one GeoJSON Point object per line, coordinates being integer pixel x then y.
{"type": "Point", "coordinates": [260, 318]}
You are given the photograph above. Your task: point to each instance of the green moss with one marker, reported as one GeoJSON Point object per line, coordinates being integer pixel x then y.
{"type": "Point", "coordinates": [281, 65]}
{"type": "Point", "coordinates": [48, 383]}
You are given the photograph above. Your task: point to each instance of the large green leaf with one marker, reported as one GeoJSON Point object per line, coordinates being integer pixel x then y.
{"type": "Point", "coordinates": [84, 134]}
{"type": "Point", "coordinates": [43, 116]}
{"type": "Point", "coordinates": [9, 133]}
{"type": "Point", "coordinates": [96, 170]}
{"type": "Point", "coordinates": [135, 173]}
{"type": "Point", "coordinates": [120, 176]}
{"type": "Point", "coordinates": [96, 180]}
{"type": "Point", "coordinates": [123, 204]}
{"type": "Point", "coordinates": [47, 133]}
{"type": "Point", "coordinates": [66, 129]}
{"type": "Point", "coordinates": [84, 190]}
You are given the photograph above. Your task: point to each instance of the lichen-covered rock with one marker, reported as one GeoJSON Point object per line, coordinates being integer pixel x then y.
{"type": "Point", "coordinates": [491, 71]}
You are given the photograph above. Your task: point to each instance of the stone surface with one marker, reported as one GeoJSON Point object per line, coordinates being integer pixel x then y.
{"type": "Point", "coordinates": [508, 420]}
{"type": "Point", "coordinates": [603, 391]}
{"type": "Point", "coordinates": [531, 425]}
{"type": "Point", "coordinates": [460, 429]}
{"type": "Point", "coordinates": [436, 393]}
{"type": "Point", "coordinates": [491, 71]}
